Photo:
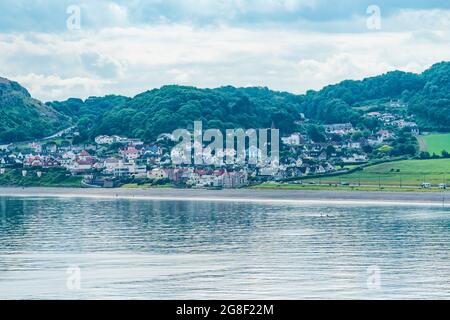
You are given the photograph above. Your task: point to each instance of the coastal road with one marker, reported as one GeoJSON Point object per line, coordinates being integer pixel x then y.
{"type": "Point", "coordinates": [58, 134]}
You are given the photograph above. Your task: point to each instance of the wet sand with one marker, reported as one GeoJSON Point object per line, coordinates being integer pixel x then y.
{"type": "Point", "coordinates": [242, 195]}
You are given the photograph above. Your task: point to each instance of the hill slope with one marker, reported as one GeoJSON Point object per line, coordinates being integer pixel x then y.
{"type": "Point", "coordinates": [171, 107]}
{"type": "Point", "coordinates": [162, 110]}
{"type": "Point", "coordinates": [431, 104]}
{"type": "Point", "coordinates": [23, 118]}
{"type": "Point", "coordinates": [427, 96]}
{"type": "Point", "coordinates": [88, 114]}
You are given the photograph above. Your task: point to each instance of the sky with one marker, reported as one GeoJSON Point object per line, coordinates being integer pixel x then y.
{"type": "Point", "coordinates": [59, 49]}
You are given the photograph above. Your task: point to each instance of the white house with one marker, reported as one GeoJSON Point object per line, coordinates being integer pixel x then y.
{"type": "Point", "coordinates": [137, 171]}
{"type": "Point", "coordinates": [293, 140]}
{"type": "Point", "coordinates": [104, 140]}
{"type": "Point", "coordinates": [111, 163]}
{"type": "Point", "coordinates": [157, 174]}
{"type": "Point", "coordinates": [355, 158]}
{"type": "Point", "coordinates": [339, 128]}
{"type": "Point", "coordinates": [80, 166]}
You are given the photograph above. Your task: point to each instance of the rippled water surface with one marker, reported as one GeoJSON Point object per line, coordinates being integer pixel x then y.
{"type": "Point", "coordinates": [137, 249]}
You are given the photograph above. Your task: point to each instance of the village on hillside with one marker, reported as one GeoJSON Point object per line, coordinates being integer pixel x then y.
{"type": "Point", "coordinates": [114, 161]}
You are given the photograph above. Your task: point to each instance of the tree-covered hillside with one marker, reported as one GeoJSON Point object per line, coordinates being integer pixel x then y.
{"type": "Point", "coordinates": [427, 96]}
{"type": "Point", "coordinates": [23, 118]}
{"type": "Point", "coordinates": [163, 110]}
{"type": "Point", "coordinates": [336, 103]}
{"type": "Point", "coordinates": [88, 114]}
{"type": "Point", "coordinates": [431, 104]}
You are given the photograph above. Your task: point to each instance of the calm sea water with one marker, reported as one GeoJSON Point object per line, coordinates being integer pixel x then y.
{"type": "Point", "coordinates": [137, 249]}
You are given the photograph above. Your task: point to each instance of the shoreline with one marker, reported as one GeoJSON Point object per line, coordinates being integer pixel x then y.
{"type": "Point", "coordinates": [318, 197]}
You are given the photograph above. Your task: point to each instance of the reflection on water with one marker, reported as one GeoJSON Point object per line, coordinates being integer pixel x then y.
{"type": "Point", "coordinates": [213, 250]}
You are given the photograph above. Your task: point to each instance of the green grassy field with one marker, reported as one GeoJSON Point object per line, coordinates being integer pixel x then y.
{"type": "Point", "coordinates": [435, 143]}
{"type": "Point", "coordinates": [49, 178]}
{"type": "Point", "coordinates": [406, 173]}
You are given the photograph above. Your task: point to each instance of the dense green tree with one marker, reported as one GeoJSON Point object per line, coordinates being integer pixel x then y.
{"type": "Point", "coordinates": [24, 118]}
{"type": "Point", "coordinates": [157, 111]}
{"type": "Point", "coordinates": [316, 133]}
{"type": "Point", "coordinates": [424, 155]}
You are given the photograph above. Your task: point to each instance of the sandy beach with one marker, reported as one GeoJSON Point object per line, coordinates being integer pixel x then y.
{"type": "Point", "coordinates": [241, 195]}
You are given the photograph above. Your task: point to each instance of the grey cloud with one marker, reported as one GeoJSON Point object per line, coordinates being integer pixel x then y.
{"type": "Point", "coordinates": [101, 66]}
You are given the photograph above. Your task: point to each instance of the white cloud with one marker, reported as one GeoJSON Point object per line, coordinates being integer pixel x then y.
{"type": "Point", "coordinates": [128, 60]}
{"type": "Point", "coordinates": [101, 14]}
{"type": "Point", "coordinates": [55, 87]}
{"type": "Point", "coordinates": [408, 20]}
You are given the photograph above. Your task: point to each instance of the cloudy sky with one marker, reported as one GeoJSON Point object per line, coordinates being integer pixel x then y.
{"type": "Point", "coordinates": [60, 49]}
